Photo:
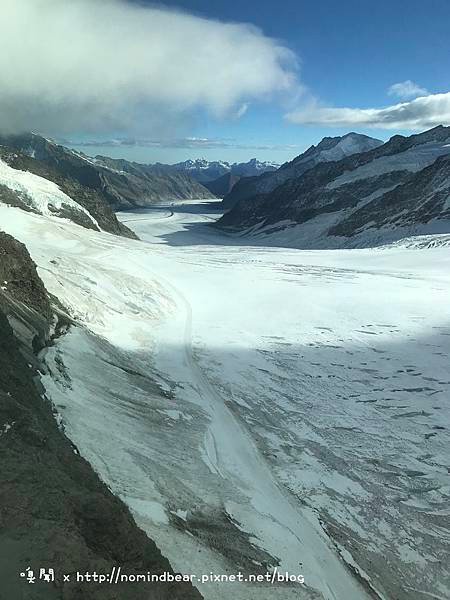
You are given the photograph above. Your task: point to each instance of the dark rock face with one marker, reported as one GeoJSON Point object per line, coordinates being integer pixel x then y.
{"type": "Point", "coordinates": [131, 184]}
{"type": "Point", "coordinates": [14, 198]}
{"type": "Point", "coordinates": [424, 196]}
{"type": "Point", "coordinates": [23, 298]}
{"type": "Point", "coordinates": [223, 185]}
{"type": "Point", "coordinates": [329, 149]}
{"type": "Point", "coordinates": [54, 510]}
{"type": "Point", "coordinates": [19, 278]}
{"type": "Point", "coordinates": [388, 197]}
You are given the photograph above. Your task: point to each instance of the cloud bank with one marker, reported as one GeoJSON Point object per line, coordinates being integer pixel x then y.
{"type": "Point", "coordinates": [181, 143]}
{"type": "Point", "coordinates": [407, 90]}
{"type": "Point", "coordinates": [106, 65]}
{"type": "Point", "coordinates": [421, 113]}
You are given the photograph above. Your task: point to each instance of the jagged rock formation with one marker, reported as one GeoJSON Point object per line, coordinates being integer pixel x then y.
{"type": "Point", "coordinates": [398, 189]}
{"type": "Point", "coordinates": [54, 510]}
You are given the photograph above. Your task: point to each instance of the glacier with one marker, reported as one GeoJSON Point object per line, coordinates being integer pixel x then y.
{"type": "Point", "coordinates": [259, 406]}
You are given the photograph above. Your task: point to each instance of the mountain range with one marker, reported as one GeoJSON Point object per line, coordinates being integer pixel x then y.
{"type": "Point", "coordinates": [89, 190]}
{"type": "Point", "coordinates": [374, 194]}
{"type": "Point", "coordinates": [346, 191]}
{"type": "Point", "coordinates": [98, 185]}
{"type": "Point", "coordinates": [96, 338]}
{"type": "Point", "coordinates": [219, 177]}
{"type": "Point", "coordinates": [204, 171]}
{"type": "Point", "coordinates": [329, 149]}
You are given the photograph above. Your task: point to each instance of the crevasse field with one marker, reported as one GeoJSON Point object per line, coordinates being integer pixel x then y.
{"type": "Point", "coordinates": [258, 406]}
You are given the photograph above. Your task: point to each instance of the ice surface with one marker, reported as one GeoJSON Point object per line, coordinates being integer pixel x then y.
{"type": "Point", "coordinates": [291, 405]}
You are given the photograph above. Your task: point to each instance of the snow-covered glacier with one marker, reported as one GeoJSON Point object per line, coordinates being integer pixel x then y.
{"type": "Point", "coordinates": [259, 406]}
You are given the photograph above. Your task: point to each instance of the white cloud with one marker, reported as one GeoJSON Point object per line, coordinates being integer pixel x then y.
{"type": "Point", "coordinates": [421, 113]}
{"type": "Point", "coordinates": [91, 65]}
{"type": "Point", "coordinates": [405, 90]}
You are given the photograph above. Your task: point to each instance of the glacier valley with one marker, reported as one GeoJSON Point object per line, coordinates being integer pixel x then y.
{"type": "Point", "coordinates": [258, 406]}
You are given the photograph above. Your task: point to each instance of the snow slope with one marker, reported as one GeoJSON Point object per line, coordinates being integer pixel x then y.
{"type": "Point", "coordinates": [349, 144]}
{"type": "Point", "coordinates": [414, 159]}
{"type": "Point", "coordinates": [256, 405]}
{"type": "Point", "coordinates": [40, 194]}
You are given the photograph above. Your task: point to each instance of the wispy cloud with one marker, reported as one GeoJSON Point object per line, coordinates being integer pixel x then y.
{"type": "Point", "coordinates": [181, 143]}
{"type": "Point", "coordinates": [421, 113]}
{"type": "Point", "coordinates": [405, 90]}
{"type": "Point", "coordinates": [110, 65]}
{"type": "Point", "coordinates": [241, 110]}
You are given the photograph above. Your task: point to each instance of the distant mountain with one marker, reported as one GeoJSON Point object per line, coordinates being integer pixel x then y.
{"type": "Point", "coordinates": [329, 149]}
{"type": "Point", "coordinates": [85, 189]}
{"type": "Point", "coordinates": [395, 190]}
{"type": "Point", "coordinates": [219, 176]}
{"type": "Point", "coordinates": [253, 167]}
{"type": "Point", "coordinates": [200, 169]}
{"type": "Point", "coordinates": [205, 171]}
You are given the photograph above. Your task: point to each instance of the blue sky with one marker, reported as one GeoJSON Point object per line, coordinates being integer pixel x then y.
{"type": "Point", "coordinates": [350, 53]}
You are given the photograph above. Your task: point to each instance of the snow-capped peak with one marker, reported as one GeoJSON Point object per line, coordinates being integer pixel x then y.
{"type": "Point", "coordinates": [202, 163]}
{"type": "Point", "coordinates": [259, 165]}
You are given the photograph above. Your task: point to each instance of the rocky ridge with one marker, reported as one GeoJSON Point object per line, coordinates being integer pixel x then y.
{"type": "Point", "coordinates": [329, 149]}
{"type": "Point", "coordinates": [398, 189]}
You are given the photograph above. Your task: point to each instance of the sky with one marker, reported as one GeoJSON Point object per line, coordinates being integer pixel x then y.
{"type": "Point", "coordinates": [219, 79]}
